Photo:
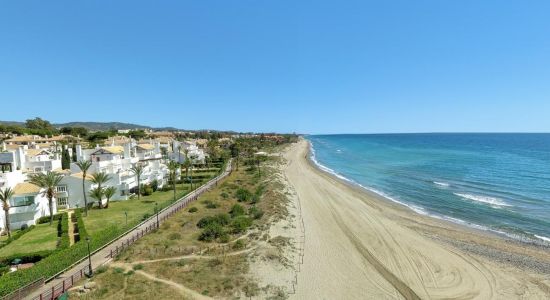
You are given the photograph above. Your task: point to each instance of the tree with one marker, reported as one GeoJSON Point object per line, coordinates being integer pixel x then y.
{"type": "Point", "coordinates": [84, 165]}
{"type": "Point", "coordinates": [138, 169]}
{"type": "Point", "coordinates": [100, 179]}
{"type": "Point", "coordinates": [74, 152]}
{"type": "Point", "coordinates": [48, 182]}
{"type": "Point", "coordinates": [173, 167]}
{"type": "Point", "coordinates": [97, 193]}
{"type": "Point", "coordinates": [109, 193]}
{"type": "Point", "coordinates": [5, 197]}
{"type": "Point", "coordinates": [65, 159]}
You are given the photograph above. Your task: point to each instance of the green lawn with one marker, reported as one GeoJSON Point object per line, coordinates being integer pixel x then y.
{"type": "Point", "coordinates": [99, 219]}
{"type": "Point", "coordinates": [43, 237]}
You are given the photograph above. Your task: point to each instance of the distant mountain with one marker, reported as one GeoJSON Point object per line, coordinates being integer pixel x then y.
{"type": "Point", "coordinates": [102, 125]}
{"type": "Point", "coordinates": [89, 125]}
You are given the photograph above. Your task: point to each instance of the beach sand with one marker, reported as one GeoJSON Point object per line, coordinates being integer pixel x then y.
{"type": "Point", "coordinates": [360, 246]}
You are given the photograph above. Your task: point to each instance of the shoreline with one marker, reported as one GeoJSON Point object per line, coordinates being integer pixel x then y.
{"type": "Point", "coordinates": [537, 241]}
{"type": "Point", "coordinates": [376, 247]}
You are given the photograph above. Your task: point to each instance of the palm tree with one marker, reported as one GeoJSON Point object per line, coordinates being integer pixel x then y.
{"type": "Point", "coordinates": [109, 193]}
{"type": "Point", "coordinates": [84, 166]}
{"type": "Point", "coordinates": [100, 178]}
{"type": "Point", "coordinates": [5, 196]}
{"type": "Point", "coordinates": [97, 193]}
{"type": "Point", "coordinates": [49, 182]}
{"type": "Point", "coordinates": [138, 171]}
{"type": "Point", "coordinates": [173, 166]}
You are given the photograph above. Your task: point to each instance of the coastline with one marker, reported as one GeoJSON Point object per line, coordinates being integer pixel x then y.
{"type": "Point", "coordinates": [488, 265]}
{"type": "Point", "coordinates": [541, 241]}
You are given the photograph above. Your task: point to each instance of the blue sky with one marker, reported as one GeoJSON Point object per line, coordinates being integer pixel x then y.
{"type": "Point", "coordinates": [304, 66]}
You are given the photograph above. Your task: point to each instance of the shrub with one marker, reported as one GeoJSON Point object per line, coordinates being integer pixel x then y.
{"type": "Point", "coordinates": [193, 210]}
{"type": "Point", "coordinates": [137, 267]}
{"type": "Point", "coordinates": [146, 190]}
{"type": "Point", "coordinates": [236, 211]}
{"type": "Point", "coordinates": [255, 212]}
{"type": "Point", "coordinates": [240, 224]}
{"type": "Point", "coordinates": [46, 219]}
{"type": "Point", "coordinates": [174, 236]}
{"type": "Point", "coordinates": [63, 232]}
{"type": "Point", "coordinates": [154, 185]}
{"type": "Point", "coordinates": [224, 238]}
{"type": "Point", "coordinates": [145, 216]}
{"type": "Point", "coordinates": [210, 204]}
{"type": "Point", "coordinates": [220, 219]}
{"type": "Point", "coordinates": [211, 232]}
{"type": "Point", "coordinates": [224, 195]}
{"type": "Point", "coordinates": [243, 195]}
{"type": "Point", "coordinates": [239, 244]}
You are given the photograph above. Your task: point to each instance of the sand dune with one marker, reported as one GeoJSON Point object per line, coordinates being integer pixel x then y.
{"type": "Point", "coordinates": [358, 246]}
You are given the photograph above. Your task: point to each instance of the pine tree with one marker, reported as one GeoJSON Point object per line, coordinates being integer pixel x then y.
{"type": "Point", "coordinates": [65, 160]}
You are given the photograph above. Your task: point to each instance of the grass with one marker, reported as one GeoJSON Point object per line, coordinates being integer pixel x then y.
{"type": "Point", "coordinates": [43, 237]}
{"type": "Point", "coordinates": [224, 276]}
{"type": "Point", "coordinates": [115, 215]}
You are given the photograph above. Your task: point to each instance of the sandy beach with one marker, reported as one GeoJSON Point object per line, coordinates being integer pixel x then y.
{"type": "Point", "coordinates": [359, 246]}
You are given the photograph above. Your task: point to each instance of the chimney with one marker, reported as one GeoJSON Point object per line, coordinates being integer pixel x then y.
{"type": "Point", "coordinates": [128, 150]}
{"type": "Point", "coordinates": [79, 152]}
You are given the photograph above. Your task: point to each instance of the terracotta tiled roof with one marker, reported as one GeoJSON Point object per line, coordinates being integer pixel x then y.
{"type": "Point", "coordinates": [26, 188]}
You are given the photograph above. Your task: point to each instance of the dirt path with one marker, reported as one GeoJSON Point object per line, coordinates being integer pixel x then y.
{"type": "Point", "coordinates": [184, 291]}
{"type": "Point", "coordinates": [359, 247]}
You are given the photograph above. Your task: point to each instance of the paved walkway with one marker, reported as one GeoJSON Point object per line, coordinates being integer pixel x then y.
{"type": "Point", "coordinates": [101, 257]}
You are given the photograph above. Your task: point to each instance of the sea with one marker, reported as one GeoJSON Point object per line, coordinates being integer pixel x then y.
{"type": "Point", "coordinates": [495, 182]}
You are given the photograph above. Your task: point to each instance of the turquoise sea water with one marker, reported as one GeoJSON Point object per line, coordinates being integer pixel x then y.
{"type": "Point", "coordinates": [498, 182]}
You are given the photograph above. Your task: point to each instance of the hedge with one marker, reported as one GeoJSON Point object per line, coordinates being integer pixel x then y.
{"type": "Point", "coordinates": [57, 261]}
{"type": "Point", "coordinates": [63, 232]}
{"type": "Point", "coordinates": [46, 219]}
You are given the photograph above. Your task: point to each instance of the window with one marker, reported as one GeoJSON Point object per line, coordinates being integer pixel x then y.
{"type": "Point", "coordinates": [61, 188]}
{"type": "Point", "coordinates": [62, 201]}
{"type": "Point", "coordinates": [22, 201]}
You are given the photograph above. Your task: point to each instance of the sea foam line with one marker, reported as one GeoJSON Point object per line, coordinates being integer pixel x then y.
{"type": "Point", "coordinates": [483, 199]}
{"type": "Point", "coordinates": [422, 211]}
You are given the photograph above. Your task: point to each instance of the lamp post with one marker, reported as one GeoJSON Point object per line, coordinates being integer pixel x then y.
{"type": "Point", "coordinates": [89, 257]}
{"type": "Point", "coordinates": [126, 214]}
{"type": "Point", "coordinates": [157, 211]}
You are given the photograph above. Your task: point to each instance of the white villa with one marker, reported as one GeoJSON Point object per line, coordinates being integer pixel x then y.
{"type": "Point", "coordinates": [117, 162]}
{"type": "Point", "coordinates": [196, 154]}
{"type": "Point", "coordinates": [26, 206]}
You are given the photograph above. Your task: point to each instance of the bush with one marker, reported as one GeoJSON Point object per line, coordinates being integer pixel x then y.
{"type": "Point", "coordinates": [224, 195]}
{"type": "Point", "coordinates": [240, 224]}
{"type": "Point", "coordinates": [58, 260]}
{"type": "Point", "coordinates": [137, 267]}
{"type": "Point", "coordinates": [211, 232]}
{"type": "Point", "coordinates": [63, 232]}
{"type": "Point", "coordinates": [145, 216]}
{"type": "Point", "coordinates": [146, 190]}
{"type": "Point", "coordinates": [154, 185]}
{"type": "Point", "coordinates": [193, 210]}
{"type": "Point", "coordinates": [46, 219]}
{"type": "Point", "coordinates": [220, 219]}
{"type": "Point", "coordinates": [239, 244]}
{"type": "Point", "coordinates": [255, 212]}
{"type": "Point", "coordinates": [243, 195]}
{"type": "Point", "coordinates": [210, 204]}
{"type": "Point", "coordinates": [236, 211]}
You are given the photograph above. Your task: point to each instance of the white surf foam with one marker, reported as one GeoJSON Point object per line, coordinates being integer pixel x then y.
{"type": "Point", "coordinates": [483, 199]}
{"type": "Point", "coordinates": [422, 211]}
{"type": "Point", "coordinates": [443, 184]}
{"type": "Point", "coordinates": [542, 238]}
